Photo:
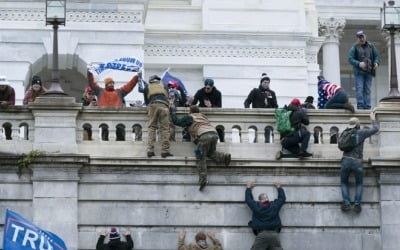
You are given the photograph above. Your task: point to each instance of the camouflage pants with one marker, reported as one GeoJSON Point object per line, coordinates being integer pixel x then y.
{"type": "Point", "coordinates": [158, 114]}
{"type": "Point", "coordinates": [207, 145]}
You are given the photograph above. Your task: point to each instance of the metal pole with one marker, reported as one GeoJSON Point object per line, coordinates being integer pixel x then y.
{"type": "Point", "coordinates": [55, 87]}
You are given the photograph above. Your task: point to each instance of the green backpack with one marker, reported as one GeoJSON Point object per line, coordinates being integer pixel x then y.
{"type": "Point", "coordinates": [348, 140]}
{"type": "Point", "coordinates": [282, 118]}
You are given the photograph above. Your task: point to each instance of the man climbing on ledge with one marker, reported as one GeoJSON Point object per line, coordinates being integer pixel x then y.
{"type": "Point", "coordinates": [265, 222]}
{"type": "Point", "coordinates": [205, 136]}
{"type": "Point", "coordinates": [352, 163]}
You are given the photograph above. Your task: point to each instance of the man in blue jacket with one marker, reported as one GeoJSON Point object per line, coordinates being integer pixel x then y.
{"type": "Point", "coordinates": [265, 222]}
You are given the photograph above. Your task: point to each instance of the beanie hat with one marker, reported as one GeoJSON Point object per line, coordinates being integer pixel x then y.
{"type": "Point", "coordinates": [114, 235]}
{"type": "Point", "coordinates": [36, 80]}
{"type": "Point", "coordinates": [154, 78]}
{"type": "Point", "coordinates": [295, 102]}
{"type": "Point", "coordinates": [309, 99]}
{"type": "Point", "coordinates": [209, 82]}
{"type": "Point", "coordinates": [200, 236]}
{"type": "Point", "coordinates": [264, 77]}
{"type": "Point", "coordinates": [108, 80]}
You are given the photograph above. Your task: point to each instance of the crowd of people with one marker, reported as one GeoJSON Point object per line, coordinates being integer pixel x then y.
{"type": "Point", "coordinates": [162, 99]}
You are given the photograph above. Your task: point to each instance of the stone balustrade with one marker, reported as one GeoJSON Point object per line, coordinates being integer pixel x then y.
{"type": "Point", "coordinates": [85, 128]}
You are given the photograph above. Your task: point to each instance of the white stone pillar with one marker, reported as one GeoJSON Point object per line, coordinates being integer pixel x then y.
{"type": "Point", "coordinates": [55, 124]}
{"type": "Point", "coordinates": [331, 29]}
{"type": "Point", "coordinates": [55, 195]}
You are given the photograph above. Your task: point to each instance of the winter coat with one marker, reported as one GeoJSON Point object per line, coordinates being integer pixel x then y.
{"type": "Point", "coordinates": [362, 134]}
{"type": "Point", "coordinates": [114, 244]}
{"type": "Point", "coordinates": [114, 97]}
{"type": "Point", "coordinates": [30, 95]}
{"type": "Point", "coordinates": [214, 96]}
{"type": "Point", "coordinates": [8, 95]}
{"type": "Point", "coordinates": [265, 216]}
{"type": "Point", "coordinates": [363, 53]}
{"type": "Point", "coordinates": [257, 97]}
{"type": "Point", "coordinates": [194, 246]}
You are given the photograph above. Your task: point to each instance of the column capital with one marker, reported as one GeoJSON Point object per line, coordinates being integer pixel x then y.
{"type": "Point", "coordinates": [331, 28]}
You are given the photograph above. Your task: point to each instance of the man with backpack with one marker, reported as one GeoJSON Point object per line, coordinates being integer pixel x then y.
{"type": "Point", "coordinates": [298, 134]}
{"type": "Point", "coordinates": [351, 142]}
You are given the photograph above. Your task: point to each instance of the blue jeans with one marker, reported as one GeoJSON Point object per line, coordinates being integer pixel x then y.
{"type": "Point", "coordinates": [363, 90]}
{"type": "Point", "coordinates": [349, 166]}
{"type": "Point", "coordinates": [337, 101]}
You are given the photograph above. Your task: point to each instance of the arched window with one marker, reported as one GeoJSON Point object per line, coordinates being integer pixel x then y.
{"type": "Point", "coordinates": [87, 132]}
{"type": "Point", "coordinates": [269, 134]}
{"type": "Point", "coordinates": [252, 134]}
{"type": "Point", "coordinates": [137, 132]}
{"type": "Point", "coordinates": [334, 135]}
{"type": "Point", "coordinates": [318, 136]}
{"type": "Point", "coordinates": [120, 132]}
{"type": "Point", "coordinates": [103, 132]}
{"type": "Point", "coordinates": [24, 131]}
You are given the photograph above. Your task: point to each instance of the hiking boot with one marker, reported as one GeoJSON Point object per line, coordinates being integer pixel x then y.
{"type": "Point", "coordinates": [345, 207]}
{"type": "Point", "coordinates": [349, 106]}
{"type": "Point", "coordinates": [304, 154]}
{"type": "Point", "coordinates": [357, 208]}
{"type": "Point", "coordinates": [150, 154]}
{"type": "Point", "coordinates": [166, 154]}
{"type": "Point", "coordinates": [227, 159]}
{"type": "Point", "coordinates": [203, 185]}
{"type": "Point", "coordinates": [278, 155]}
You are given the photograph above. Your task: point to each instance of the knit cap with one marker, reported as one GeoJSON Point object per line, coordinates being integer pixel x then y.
{"type": "Point", "coordinates": [114, 234]}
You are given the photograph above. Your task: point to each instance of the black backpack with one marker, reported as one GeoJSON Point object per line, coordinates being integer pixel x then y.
{"type": "Point", "coordinates": [348, 139]}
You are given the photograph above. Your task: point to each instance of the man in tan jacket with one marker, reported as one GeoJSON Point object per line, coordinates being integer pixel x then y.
{"type": "Point", "coordinates": [200, 242]}
{"type": "Point", "coordinates": [205, 136]}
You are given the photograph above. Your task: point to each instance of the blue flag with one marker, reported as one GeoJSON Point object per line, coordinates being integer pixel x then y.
{"type": "Point", "coordinates": [167, 78]}
{"type": "Point", "coordinates": [21, 234]}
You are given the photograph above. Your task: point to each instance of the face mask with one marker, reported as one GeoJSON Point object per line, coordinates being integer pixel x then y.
{"type": "Point", "coordinates": [36, 87]}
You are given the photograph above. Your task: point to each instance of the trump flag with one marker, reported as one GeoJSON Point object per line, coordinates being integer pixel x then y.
{"type": "Point", "coordinates": [167, 78]}
{"type": "Point", "coordinates": [21, 234]}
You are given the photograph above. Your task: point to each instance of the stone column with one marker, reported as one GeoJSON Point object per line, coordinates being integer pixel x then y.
{"type": "Point", "coordinates": [332, 30]}
{"type": "Point", "coordinates": [55, 195]}
{"type": "Point", "coordinates": [55, 124]}
{"type": "Point", "coordinates": [389, 181]}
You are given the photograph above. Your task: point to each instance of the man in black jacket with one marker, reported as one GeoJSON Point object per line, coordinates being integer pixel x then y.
{"type": "Point", "coordinates": [263, 96]}
{"type": "Point", "coordinates": [114, 242]}
{"type": "Point", "coordinates": [265, 222]}
{"type": "Point", "coordinates": [300, 135]}
{"type": "Point", "coordinates": [209, 96]}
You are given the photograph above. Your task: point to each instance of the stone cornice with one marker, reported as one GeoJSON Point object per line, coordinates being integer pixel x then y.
{"type": "Point", "coordinates": [331, 28]}
{"type": "Point", "coordinates": [222, 51]}
{"type": "Point", "coordinates": [97, 16]}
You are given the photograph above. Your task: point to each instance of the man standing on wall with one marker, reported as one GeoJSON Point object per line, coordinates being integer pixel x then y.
{"type": "Point", "coordinates": [365, 60]}
{"type": "Point", "coordinates": [266, 223]}
{"type": "Point", "coordinates": [156, 99]}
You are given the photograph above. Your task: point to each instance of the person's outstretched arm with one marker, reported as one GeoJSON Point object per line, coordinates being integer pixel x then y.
{"type": "Point", "coordinates": [181, 241]}
{"type": "Point", "coordinates": [216, 242]}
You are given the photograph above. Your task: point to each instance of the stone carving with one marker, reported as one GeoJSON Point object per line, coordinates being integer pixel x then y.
{"type": "Point", "coordinates": [223, 51]}
{"type": "Point", "coordinates": [100, 16]}
{"type": "Point", "coordinates": [331, 27]}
